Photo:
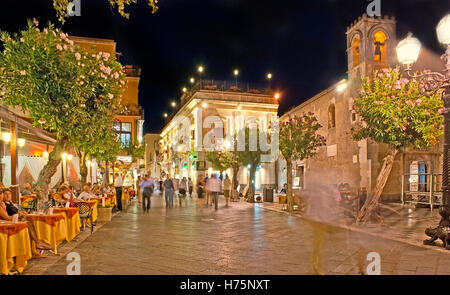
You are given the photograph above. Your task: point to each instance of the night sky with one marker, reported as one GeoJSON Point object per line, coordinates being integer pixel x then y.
{"type": "Point", "coordinates": [301, 42]}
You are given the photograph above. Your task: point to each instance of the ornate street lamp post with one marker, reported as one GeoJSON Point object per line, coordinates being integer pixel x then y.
{"type": "Point", "coordinates": [407, 52]}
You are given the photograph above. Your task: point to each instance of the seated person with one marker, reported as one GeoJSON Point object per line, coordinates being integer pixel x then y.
{"type": "Point", "coordinates": [5, 216]}
{"type": "Point", "coordinates": [86, 193]}
{"type": "Point", "coordinates": [7, 199]}
{"type": "Point", "coordinates": [96, 190]}
{"type": "Point", "coordinates": [27, 191]}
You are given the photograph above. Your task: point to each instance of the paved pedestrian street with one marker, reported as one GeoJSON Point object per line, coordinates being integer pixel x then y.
{"type": "Point", "coordinates": [241, 239]}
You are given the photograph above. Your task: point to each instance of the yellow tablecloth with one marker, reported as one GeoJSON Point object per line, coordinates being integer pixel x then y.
{"type": "Point", "coordinates": [125, 197]}
{"type": "Point", "coordinates": [73, 222]}
{"type": "Point", "coordinates": [51, 229]}
{"type": "Point", "coordinates": [14, 242]}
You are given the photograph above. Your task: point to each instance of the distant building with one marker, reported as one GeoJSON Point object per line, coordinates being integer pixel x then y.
{"type": "Point", "coordinates": [371, 46]}
{"type": "Point", "coordinates": [206, 106]}
{"type": "Point", "coordinates": [152, 154]}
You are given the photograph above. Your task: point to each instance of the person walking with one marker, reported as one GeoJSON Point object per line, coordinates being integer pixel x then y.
{"type": "Point", "coordinates": [215, 187]}
{"type": "Point", "coordinates": [148, 186]}
{"type": "Point", "coordinates": [118, 184]}
{"type": "Point", "coordinates": [200, 191]}
{"type": "Point", "coordinates": [168, 191]}
{"type": "Point", "coordinates": [182, 187]}
{"type": "Point", "coordinates": [139, 188]}
{"type": "Point", "coordinates": [190, 186]}
{"type": "Point", "coordinates": [227, 189]}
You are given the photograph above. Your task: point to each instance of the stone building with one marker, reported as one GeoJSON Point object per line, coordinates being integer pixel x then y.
{"type": "Point", "coordinates": [202, 116]}
{"type": "Point", "coordinates": [152, 154]}
{"type": "Point", "coordinates": [371, 46]}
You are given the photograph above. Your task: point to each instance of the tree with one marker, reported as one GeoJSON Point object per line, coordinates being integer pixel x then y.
{"type": "Point", "coordinates": [248, 156]}
{"type": "Point", "coordinates": [135, 150]}
{"type": "Point", "coordinates": [298, 141]}
{"type": "Point", "coordinates": [64, 89]}
{"type": "Point", "coordinates": [61, 7]}
{"type": "Point", "coordinates": [394, 112]}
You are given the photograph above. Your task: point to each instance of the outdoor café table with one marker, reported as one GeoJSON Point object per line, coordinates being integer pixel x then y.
{"type": "Point", "coordinates": [14, 242]}
{"type": "Point", "coordinates": [73, 222]}
{"type": "Point", "coordinates": [50, 228]}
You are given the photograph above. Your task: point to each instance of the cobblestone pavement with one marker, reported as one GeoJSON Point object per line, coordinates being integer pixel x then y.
{"type": "Point", "coordinates": [241, 239]}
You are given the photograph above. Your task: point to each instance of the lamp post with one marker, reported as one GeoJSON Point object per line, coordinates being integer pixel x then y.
{"type": "Point", "coordinates": [235, 73]}
{"type": "Point", "coordinates": [200, 69]}
{"type": "Point", "coordinates": [63, 166]}
{"type": "Point", "coordinates": [407, 52]}
{"type": "Point", "coordinates": [269, 77]}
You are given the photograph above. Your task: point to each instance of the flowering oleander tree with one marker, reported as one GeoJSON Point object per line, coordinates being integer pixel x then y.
{"type": "Point", "coordinates": [299, 140]}
{"type": "Point", "coordinates": [394, 112]}
{"type": "Point", "coordinates": [68, 91]}
{"type": "Point", "coordinates": [61, 7]}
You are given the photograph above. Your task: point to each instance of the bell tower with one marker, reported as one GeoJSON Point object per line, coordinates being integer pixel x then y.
{"type": "Point", "coordinates": [371, 45]}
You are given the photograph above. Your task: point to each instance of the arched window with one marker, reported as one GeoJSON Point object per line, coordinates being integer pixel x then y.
{"type": "Point", "coordinates": [331, 116]}
{"type": "Point", "coordinates": [356, 49]}
{"type": "Point", "coordinates": [379, 44]}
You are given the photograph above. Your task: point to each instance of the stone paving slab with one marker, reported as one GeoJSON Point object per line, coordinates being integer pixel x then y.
{"type": "Point", "coordinates": [242, 239]}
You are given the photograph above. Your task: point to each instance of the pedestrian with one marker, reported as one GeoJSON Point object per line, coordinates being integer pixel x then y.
{"type": "Point", "coordinates": [148, 186]}
{"type": "Point", "coordinates": [227, 189]}
{"type": "Point", "coordinates": [215, 188]}
{"type": "Point", "coordinates": [200, 191]}
{"type": "Point", "coordinates": [118, 184]}
{"type": "Point", "coordinates": [182, 190]}
{"type": "Point", "coordinates": [190, 186]}
{"type": "Point", "coordinates": [139, 188]}
{"type": "Point", "coordinates": [208, 191]}
{"type": "Point", "coordinates": [168, 191]}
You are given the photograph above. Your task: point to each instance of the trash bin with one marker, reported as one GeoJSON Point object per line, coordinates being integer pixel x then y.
{"type": "Point", "coordinates": [268, 195]}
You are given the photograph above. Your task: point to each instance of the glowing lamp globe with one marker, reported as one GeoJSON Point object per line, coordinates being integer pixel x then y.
{"type": "Point", "coordinates": [443, 30]}
{"type": "Point", "coordinates": [408, 50]}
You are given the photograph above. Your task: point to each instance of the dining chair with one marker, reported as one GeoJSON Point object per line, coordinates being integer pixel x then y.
{"type": "Point", "coordinates": [85, 212]}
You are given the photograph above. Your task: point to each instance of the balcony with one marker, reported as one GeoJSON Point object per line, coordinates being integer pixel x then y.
{"type": "Point", "coordinates": [132, 110]}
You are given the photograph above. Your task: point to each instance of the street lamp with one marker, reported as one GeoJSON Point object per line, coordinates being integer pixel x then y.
{"type": "Point", "coordinates": [200, 69]}
{"type": "Point", "coordinates": [236, 74]}
{"type": "Point", "coordinates": [342, 86]}
{"type": "Point", "coordinates": [277, 96]}
{"type": "Point", "coordinates": [6, 137]}
{"type": "Point", "coordinates": [192, 80]}
{"type": "Point", "coordinates": [173, 104]}
{"type": "Point", "coordinates": [184, 89]}
{"type": "Point", "coordinates": [165, 115]}
{"type": "Point", "coordinates": [407, 52]}
{"type": "Point", "coordinates": [21, 142]}
{"type": "Point", "coordinates": [269, 77]}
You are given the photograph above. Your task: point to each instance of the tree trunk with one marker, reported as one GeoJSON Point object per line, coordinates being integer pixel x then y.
{"type": "Point", "coordinates": [251, 185]}
{"type": "Point", "coordinates": [106, 177]}
{"type": "Point", "coordinates": [83, 168]}
{"type": "Point", "coordinates": [289, 194]}
{"type": "Point", "coordinates": [371, 203]}
{"type": "Point", "coordinates": [234, 180]}
{"type": "Point", "coordinates": [45, 176]}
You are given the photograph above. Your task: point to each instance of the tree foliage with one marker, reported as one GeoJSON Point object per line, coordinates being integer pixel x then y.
{"type": "Point", "coordinates": [299, 140]}
{"type": "Point", "coordinates": [66, 90]}
{"type": "Point", "coordinates": [394, 112]}
{"type": "Point", "coordinates": [61, 7]}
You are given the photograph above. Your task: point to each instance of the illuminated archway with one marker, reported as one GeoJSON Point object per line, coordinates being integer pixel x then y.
{"type": "Point", "coordinates": [356, 51]}
{"type": "Point", "coordinates": [379, 45]}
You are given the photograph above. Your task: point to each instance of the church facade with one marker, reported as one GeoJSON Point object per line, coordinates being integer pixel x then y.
{"type": "Point", "coordinates": [371, 46]}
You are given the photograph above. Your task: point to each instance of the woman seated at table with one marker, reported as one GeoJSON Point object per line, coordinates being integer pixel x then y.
{"type": "Point", "coordinates": [86, 194]}
{"type": "Point", "coordinates": [5, 199]}
{"type": "Point", "coordinates": [96, 190]}
{"type": "Point", "coordinates": [27, 191]}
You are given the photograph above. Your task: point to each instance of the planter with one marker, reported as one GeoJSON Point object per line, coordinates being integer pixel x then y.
{"type": "Point", "coordinates": [104, 214]}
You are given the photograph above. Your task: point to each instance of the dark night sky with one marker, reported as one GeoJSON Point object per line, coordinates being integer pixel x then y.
{"type": "Point", "coordinates": [301, 42]}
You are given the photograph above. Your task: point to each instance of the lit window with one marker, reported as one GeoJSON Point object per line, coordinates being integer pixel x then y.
{"type": "Point", "coordinates": [380, 46]}
{"type": "Point", "coordinates": [356, 50]}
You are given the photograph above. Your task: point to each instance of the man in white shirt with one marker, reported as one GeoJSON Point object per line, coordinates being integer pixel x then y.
{"type": "Point", "coordinates": [86, 194]}
{"type": "Point", "coordinates": [215, 186]}
{"type": "Point", "coordinates": [118, 184]}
